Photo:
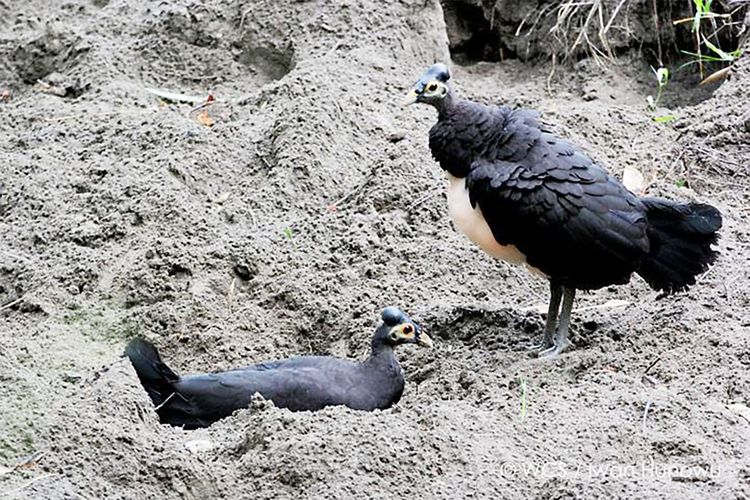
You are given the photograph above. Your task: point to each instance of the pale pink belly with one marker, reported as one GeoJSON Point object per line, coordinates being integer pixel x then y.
{"type": "Point", "coordinates": [470, 221]}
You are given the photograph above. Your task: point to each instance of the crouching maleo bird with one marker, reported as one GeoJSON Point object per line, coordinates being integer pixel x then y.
{"type": "Point", "coordinates": [300, 383]}
{"type": "Point", "coordinates": [527, 197]}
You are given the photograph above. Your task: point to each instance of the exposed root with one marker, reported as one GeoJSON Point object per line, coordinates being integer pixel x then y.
{"type": "Point", "coordinates": [576, 21]}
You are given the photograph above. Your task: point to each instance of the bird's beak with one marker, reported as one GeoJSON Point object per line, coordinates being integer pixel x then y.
{"type": "Point", "coordinates": [410, 98]}
{"type": "Point", "coordinates": [423, 339]}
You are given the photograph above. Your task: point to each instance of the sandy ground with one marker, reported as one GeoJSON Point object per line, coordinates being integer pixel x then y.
{"type": "Point", "coordinates": [284, 228]}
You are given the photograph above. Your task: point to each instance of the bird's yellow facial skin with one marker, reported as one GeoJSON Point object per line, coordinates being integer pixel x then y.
{"type": "Point", "coordinates": [421, 93]}
{"type": "Point", "coordinates": [406, 332]}
{"type": "Point", "coordinates": [402, 333]}
{"type": "Point", "coordinates": [434, 88]}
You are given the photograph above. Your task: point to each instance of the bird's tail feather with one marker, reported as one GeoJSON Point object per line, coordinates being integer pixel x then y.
{"type": "Point", "coordinates": [681, 236]}
{"type": "Point", "coordinates": [155, 376]}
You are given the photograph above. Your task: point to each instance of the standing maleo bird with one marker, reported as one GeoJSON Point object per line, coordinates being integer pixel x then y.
{"type": "Point", "coordinates": [528, 197]}
{"type": "Point", "coordinates": [300, 383]}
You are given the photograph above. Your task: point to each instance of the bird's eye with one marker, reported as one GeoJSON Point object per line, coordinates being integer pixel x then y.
{"type": "Point", "coordinates": [432, 87]}
{"type": "Point", "coordinates": [408, 329]}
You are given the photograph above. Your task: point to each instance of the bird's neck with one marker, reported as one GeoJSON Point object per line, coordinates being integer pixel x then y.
{"type": "Point", "coordinates": [445, 105]}
{"type": "Point", "coordinates": [381, 353]}
{"type": "Point", "coordinates": [447, 137]}
{"type": "Point", "coordinates": [384, 372]}
{"type": "Point", "coordinates": [463, 132]}
{"type": "Point", "coordinates": [379, 347]}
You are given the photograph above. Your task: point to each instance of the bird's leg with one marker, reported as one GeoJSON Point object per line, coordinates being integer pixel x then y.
{"type": "Point", "coordinates": [561, 338]}
{"type": "Point", "coordinates": [555, 294]}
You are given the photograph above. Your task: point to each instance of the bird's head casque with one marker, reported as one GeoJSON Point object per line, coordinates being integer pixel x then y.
{"type": "Point", "coordinates": [398, 328]}
{"type": "Point", "coordinates": [431, 88]}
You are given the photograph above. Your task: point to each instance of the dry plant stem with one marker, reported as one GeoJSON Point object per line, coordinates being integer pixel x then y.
{"type": "Point", "coordinates": [607, 305]}
{"type": "Point", "coordinates": [30, 460]}
{"type": "Point", "coordinates": [422, 199]}
{"type": "Point", "coordinates": [551, 75]}
{"type": "Point", "coordinates": [658, 35]}
{"type": "Point", "coordinates": [645, 415]}
{"type": "Point", "coordinates": [542, 13]}
{"type": "Point", "coordinates": [583, 29]}
{"type": "Point", "coordinates": [698, 46]}
{"type": "Point", "coordinates": [653, 363]}
{"type": "Point", "coordinates": [11, 304]}
{"type": "Point", "coordinates": [262, 158]}
{"type": "Point", "coordinates": [564, 12]}
{"type": "Point", "coordinates": [231, 294]}
{"type": "Point", "coordinates": [567, 12]}
{"type": "Point", "coordinates": [165, 402]}
{"type": "Point", "coordinates": [539, 16]}
{"type": "Point", "coordinates": [603, 31]}
{"type": "Point", "coordinates": [354, 194]}
{"type": "Point", "coordinates": [571, 12]}
{"type": "Point", "coordinates": [649, 402]}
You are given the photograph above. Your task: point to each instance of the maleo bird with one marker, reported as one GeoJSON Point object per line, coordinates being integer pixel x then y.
{"type": "Point", "coordinates": [528, 197]}
{"type": "Point", "coordinates": [300, 383]}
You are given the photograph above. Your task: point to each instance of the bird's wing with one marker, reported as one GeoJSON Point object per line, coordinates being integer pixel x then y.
{"type": "Point", "coordinates": [297, 383]}
{"type": "Point", "coordinates": [204, 398]}
{"type": "Point", "coordinates": [286, 364]}
{"type": "Point", "coordinates": [562, 211]}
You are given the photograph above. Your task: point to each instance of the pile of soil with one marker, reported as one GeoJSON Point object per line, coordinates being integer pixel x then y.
{"type": "Point", "coordinates": [308, 205]}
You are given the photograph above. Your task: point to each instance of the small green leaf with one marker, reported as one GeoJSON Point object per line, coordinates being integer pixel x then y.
{"type": "Point", "coordinates": [722, 55]}
{"type": "Point", "coordinates": [288, 233]}
{"type": "Point", "coordinates": [662, 76]}
{"type": "Point", "coordinates": [696, 20]}
{"type": "Point", "coordinates": [700, 58]}
{"type": "Point", "coordinates": [680, 183]}
{"type": "Point", "coordinates": [664, 119]}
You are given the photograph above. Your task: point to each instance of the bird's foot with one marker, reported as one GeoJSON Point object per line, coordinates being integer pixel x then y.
{"type": "Point", "coordinates": [540, 347]}
{"type": "Point", "coordinates": [546, 343]}
{"type": "Point", "coordinates": [555, 350]}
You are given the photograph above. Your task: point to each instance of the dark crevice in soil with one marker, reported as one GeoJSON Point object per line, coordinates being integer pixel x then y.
{"type": "Point", "coordinates": [271, 62]}
{"type": "Point", "coordinates": [491, 31]}
{"type": "Point", "coordinates": [46, 54]}
{"type": "Point", "coordinates": [684, 89]}
{"type": "Point", "coordinates": [471, 36]}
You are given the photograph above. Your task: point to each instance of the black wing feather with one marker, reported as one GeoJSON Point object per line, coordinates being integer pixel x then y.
{"type": "Point", "coordinates": [573, 222]}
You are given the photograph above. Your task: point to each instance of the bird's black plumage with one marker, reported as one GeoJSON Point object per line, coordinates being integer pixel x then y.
{"type": "Point", "coordinates": [300, 383]}
{"type": "Point", "coordinates": [563, 212]}
{"type": "Point", "coordinates": [571, 219]}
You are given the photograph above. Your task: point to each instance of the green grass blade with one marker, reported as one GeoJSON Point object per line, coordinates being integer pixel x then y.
{"type": "Point", "coordinates": [723, 55]}
{"type": "Point", "coordinates": [664, 119]}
